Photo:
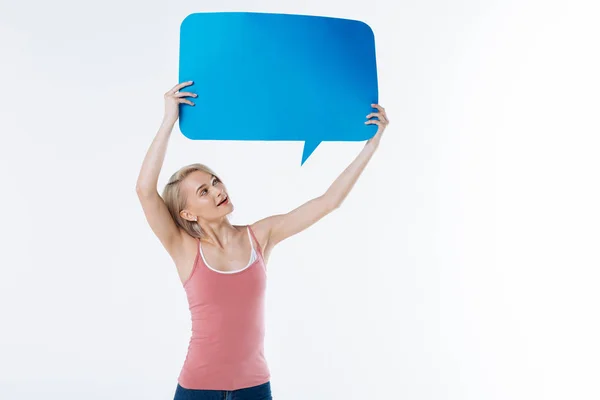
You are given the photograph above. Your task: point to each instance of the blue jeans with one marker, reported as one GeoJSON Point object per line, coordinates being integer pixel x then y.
{"type": "Point", "coordinates": [260, 392]}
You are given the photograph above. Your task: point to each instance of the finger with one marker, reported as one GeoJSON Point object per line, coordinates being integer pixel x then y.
{"type": "Point", "coordinates": [179, 86]}
{"type": "Point", "coordinates": [377, 106]}
{"type": "Point", "coordinates": [186, 101]}
{"type": "Point", "coordinates": [373, 121]}
{"type": "Point", "coordinates": [381, 116]}
{"type": "Point", "coordinates": [182, 94]}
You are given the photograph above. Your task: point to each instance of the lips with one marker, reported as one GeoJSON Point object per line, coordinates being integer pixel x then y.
{"type": "Point", "coordinates": [223, 201]}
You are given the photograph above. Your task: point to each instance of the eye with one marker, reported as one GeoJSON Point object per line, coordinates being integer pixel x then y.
{"type": "Point", "coordinates": [203, 192]}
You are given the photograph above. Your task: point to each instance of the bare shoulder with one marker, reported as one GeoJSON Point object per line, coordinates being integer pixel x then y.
{"type": "Point", "coordinates": [262, 231]}
{"type": "Point", "coordinates": [185, 257]}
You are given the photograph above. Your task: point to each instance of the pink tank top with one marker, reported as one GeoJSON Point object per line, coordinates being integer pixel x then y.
{"type": "Point", "coordinates": [226, 350]}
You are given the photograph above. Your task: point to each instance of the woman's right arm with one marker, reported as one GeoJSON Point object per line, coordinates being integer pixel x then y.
{"type": "Point", "coordinates": [155, 210]}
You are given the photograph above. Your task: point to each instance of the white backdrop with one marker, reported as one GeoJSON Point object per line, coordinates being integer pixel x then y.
{"type": "Point", "coordinates": [463, 265]}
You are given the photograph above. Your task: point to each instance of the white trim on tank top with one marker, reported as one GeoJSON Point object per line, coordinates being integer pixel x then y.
{"type": "Point", "coordinates": [252, 258]}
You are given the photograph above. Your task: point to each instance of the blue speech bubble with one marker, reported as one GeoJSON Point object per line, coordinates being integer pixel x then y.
{"type": "Point", "coordinates": [265, 76]}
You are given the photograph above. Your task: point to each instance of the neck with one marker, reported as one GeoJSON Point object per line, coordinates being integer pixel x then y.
{"type": "Point", "coordinates": [218, 233]}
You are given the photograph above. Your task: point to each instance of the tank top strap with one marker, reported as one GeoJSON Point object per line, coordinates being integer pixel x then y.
{"type": "Point", "coordinates": [257, 247]}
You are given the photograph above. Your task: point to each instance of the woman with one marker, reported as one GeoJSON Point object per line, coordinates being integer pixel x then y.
{"type": "Point", "coordinates": [222, 267]}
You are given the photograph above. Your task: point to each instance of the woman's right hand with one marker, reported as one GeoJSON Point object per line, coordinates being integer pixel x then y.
{"type": "Point", "coordinates": [173, 98]}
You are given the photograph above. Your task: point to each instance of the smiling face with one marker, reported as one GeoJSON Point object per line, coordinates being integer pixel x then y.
{"type": "Point", "coordinates": [206, 197]}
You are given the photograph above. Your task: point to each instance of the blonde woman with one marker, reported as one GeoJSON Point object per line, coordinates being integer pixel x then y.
{"type": "Point", "coordinates": [222, 267]}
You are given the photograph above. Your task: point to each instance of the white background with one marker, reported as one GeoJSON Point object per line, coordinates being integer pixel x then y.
{"type": "Point", "coordinates": [463, 265]}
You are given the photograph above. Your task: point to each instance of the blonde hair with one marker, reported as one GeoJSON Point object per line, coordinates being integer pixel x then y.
{"type": "Point", "coordinates": [176, 200]}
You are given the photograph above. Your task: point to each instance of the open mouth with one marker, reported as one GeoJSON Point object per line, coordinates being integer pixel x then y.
{"type": "Point", "coordinates": [224, 201]}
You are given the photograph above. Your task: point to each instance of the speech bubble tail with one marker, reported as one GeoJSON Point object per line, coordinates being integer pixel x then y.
{"type": "Point", "coordinates": [309, 148]}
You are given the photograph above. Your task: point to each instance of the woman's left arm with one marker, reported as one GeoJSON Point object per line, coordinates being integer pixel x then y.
{"type": "Point", "coordinates": [276, 228]}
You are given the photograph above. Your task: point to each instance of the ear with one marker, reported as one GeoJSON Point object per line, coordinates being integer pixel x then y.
{"type": "Point", "coordinates": [185, 214]}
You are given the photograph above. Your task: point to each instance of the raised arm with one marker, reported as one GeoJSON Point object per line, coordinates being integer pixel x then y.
{"type": "Point", "coordinates": [155, 210]}
{"type": "Point", "coordinates": [279, 227]}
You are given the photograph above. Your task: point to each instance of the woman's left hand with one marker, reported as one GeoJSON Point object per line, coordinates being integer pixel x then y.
{"type": "Point", "coordinates": [382, 123]}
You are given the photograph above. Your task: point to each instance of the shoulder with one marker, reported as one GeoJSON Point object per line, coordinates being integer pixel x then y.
{"type": "Point", "coordinates": [189, 247]}
{"type": "Point", "coordinates": [185, 258]}
{"type": "Point", "coordinates": [261, 230]}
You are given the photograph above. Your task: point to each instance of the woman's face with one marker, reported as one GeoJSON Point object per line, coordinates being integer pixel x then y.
{"type": "Point", "coordinates": [206, 196]}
